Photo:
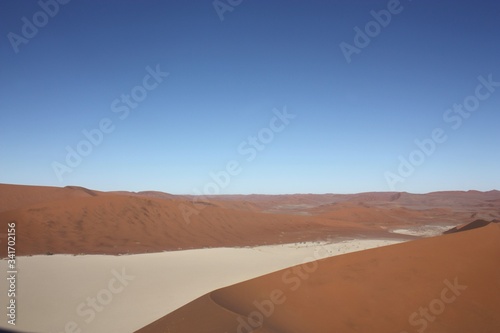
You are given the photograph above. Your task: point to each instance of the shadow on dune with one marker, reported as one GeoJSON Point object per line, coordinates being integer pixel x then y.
{"type": "Point", "coordinates": [469, 226]}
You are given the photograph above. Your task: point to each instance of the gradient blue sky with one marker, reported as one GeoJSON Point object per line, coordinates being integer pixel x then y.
{"type": "Point", "coordinates": [353, 120]}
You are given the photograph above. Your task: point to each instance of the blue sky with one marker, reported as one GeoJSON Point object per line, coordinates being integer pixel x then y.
{"type": "Point", "coordinates": [352, 125]}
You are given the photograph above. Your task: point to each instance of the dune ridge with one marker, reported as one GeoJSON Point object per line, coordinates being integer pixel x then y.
{"type": "Point", "coordinates": [18, 196]}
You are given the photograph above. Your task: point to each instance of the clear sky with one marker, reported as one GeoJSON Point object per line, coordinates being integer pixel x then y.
{"type": "Point", "coordinates": [251, 96]}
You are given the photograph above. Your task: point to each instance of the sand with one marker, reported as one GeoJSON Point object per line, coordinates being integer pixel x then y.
{"type": "Point", "coordinates": [440, 284]}
{"type": "Point", "coordinates": [75, 220]}
{"type": "Point", "coordinates": [201, 284]}
{"type": "Point", "coordinates": [52, 288]}
{"type": "Point", "coordinates": [423, 231]}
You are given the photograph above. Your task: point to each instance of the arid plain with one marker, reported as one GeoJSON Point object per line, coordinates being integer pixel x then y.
{"type": "Point", "coordinates": [93, 261]}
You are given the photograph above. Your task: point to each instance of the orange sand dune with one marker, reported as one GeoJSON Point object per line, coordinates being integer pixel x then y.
{"type": "Point", "coordinates": [380, 208]}
{"type": "Point", "coordinates": [457, 200]}
{"type": "Point", "coordinates": [77, 220]}
{"type": "Point", "coordinates": [17, 196]}
{"type": "Point", "coordinates": [448, 283]}
{"type": "Point", "coordinates": [117, 224]}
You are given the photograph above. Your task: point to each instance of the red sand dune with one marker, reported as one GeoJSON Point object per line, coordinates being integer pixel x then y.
{"type": "Point", "coordinates": [380, 290]}
{"type": "Point", "coordinates": [17, 196]}
{"type": "Point", "coordinates": [118, 223]}
{"type": "Point", "coordinates": [448, 283]}
{"type": "Point", "coordinates": [77, 220]}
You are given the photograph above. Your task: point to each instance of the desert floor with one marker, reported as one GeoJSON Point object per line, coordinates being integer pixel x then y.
{"type": "Point", "coordinates": [56, 292]}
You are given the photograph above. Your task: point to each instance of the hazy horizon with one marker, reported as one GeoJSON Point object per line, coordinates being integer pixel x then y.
{"type": "Point", "coordinates": [255, 193]}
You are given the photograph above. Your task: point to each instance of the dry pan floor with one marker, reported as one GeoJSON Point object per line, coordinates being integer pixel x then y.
{"type": "Point", "coordinates": [97, 293]}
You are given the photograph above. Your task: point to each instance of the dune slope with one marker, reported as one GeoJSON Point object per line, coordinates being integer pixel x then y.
{"type": "Point", "coordinates": [448, 283]}
{"type": "Point", "coordinates": [120, 224]}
